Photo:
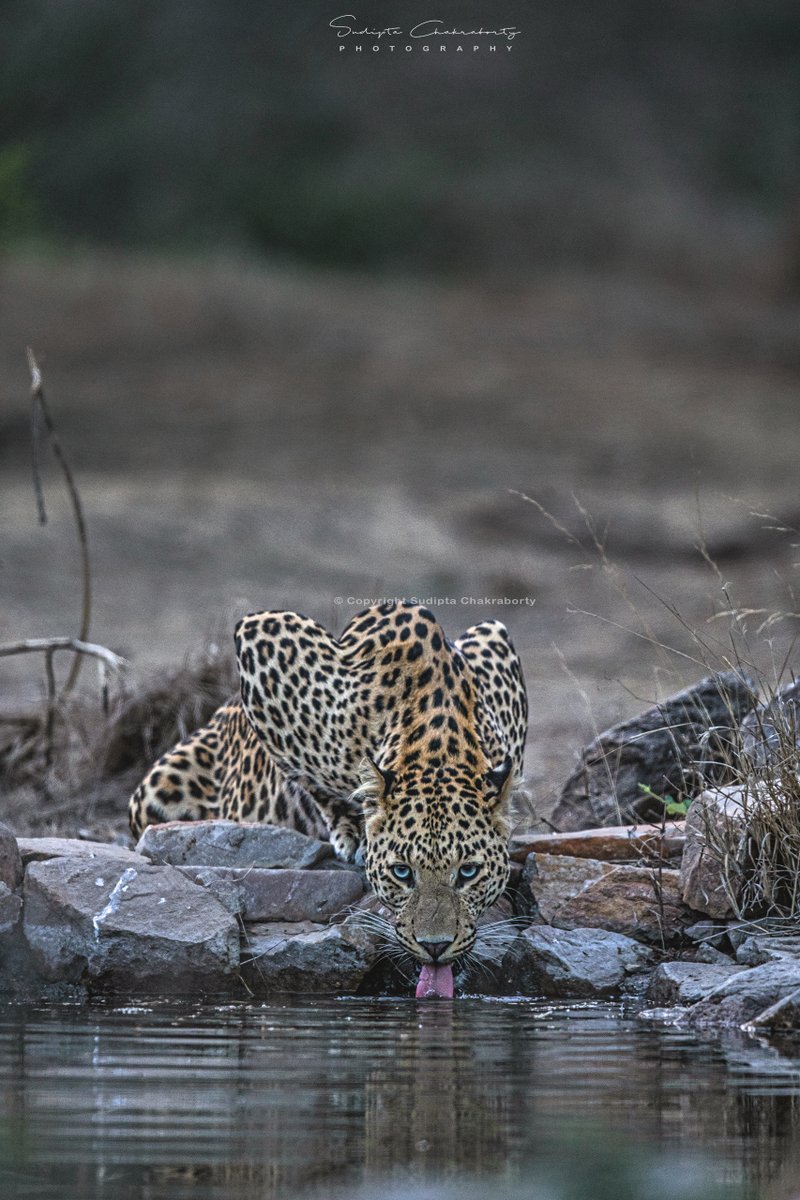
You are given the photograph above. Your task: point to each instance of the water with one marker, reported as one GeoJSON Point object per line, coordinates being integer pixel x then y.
{"type": "Point", "coordinates": [389, 1098]}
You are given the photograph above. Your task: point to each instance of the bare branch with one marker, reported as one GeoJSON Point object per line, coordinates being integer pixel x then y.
{"type": "Point", "coordinates": [40, 416]}
{"type": "Point", "coordinates": [47, 645]}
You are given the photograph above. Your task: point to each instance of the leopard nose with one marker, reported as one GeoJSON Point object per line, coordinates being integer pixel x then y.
{"type": "Point", "coordinates": [436, 949]}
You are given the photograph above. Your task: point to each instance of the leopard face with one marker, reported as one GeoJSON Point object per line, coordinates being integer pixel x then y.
{"type": "Point", "coordinates": [437, 853]}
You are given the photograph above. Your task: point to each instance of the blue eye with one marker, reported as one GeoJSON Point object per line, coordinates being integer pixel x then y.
{"type": "Point", "coordinates": [402, 872]}
{"type": "Point", "coordinates": [468, 871]}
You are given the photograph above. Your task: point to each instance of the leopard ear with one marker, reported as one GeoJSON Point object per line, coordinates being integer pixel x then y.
{"type": "Point", "coordinates": [376, 784]}
{"type": "Point", "coordinates": [498, 782]}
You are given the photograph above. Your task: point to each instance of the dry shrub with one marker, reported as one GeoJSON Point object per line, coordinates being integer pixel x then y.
{"type": "Point", "coordinates": [769, 774]}
{"type": "Point", "coordinates": [78, 779]}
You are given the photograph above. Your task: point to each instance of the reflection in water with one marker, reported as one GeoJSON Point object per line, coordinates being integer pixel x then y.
{"type": "Point", "coordinates": [388, 1097]}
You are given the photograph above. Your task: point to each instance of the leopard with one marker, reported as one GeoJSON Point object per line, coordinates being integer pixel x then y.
{"type": "Point", "coordinates": [396, 744]}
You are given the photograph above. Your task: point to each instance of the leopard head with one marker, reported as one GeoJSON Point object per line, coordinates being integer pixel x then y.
{"type": "Point", "coordinates": [436, 851]}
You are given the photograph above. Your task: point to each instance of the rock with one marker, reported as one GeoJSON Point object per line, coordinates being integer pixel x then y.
{"type": "Point", "coordinates": [686, 983]}
{"type": "Point", "coordinates": [751, 953]}
{"type": "Point", "coordinates": [757, 948]}
{"type": "Point", "coordinates": [708, 933]}
{"type": "Point", "coordinates": [280, 895]}
{"type": "Point", "coordinates": [660, 749]}
{"type": "Point", "coordinates": [619, 843]}
{"type": "Point", "coordinates": [575, 893]}
{"type": "Point", "coordinates": [552, 879]}
{"type": "Point", "coordinates": [10, 861]}
{"type": "Point", "coordinates": [336, 959]}
{"type": "Point", "coordinates": [771, 732]}
{"type": "Point", "coordinates": [641, 902]}
{"type": "Point", "coordinates": [42, 849]}
{"type": "Point", "coordinates": [10, 910]}
{"type": "Point", "coordinates": [782, 1017]}
{"type": "Point", "coordinates": [230, 844]}
{"type": "Point", "coordinates": [746, 994]}
{"type": "Point", "coordinates": [576, 963]}
{"type": "Point", "coordinates": [136, 929]}
{"type": "Point", "coordinates": [716, 827]}
{"type": "Point", "coordinates": [482, 974]}
{"type": "Point", "coordinates": [706, 953]}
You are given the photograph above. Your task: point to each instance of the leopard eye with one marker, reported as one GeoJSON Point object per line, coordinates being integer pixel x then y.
{"type": "Point", "coordinates": [402, 872]}
{"type": "Point", "coordinates": [468, 871]}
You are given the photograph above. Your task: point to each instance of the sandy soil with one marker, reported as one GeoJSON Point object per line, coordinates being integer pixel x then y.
{"type": "Point", "coordinates": [250, 438]}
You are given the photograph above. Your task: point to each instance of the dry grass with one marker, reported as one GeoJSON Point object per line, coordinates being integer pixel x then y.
{"type": "Point", "coordinates": [757, 839]}
{"type": "Point", "coordinates": [761, 853]}
{"type": "Point", "coordinates": [78, 779]}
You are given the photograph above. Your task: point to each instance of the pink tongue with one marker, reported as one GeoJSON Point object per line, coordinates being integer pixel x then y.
{"type": "Point", "coordinates": [435, 981]}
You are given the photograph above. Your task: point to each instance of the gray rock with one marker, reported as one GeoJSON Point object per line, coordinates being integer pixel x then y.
{"type": "Point", "coordinates": [482, 974]}
{"type": "Point", "coordinates": [771, 732]}
{"type": "Point", "coordinates": [10, 910]}
{"type": "Point", "coordinates": [284, 958]}
{"type": "Point", "coordinates": [708, 933]}
{"type": "Point", "coordinates": [686, 983]}
{"type": "Point", "coordinates": [222, 882]}
{"type": "Point", "coordinates": [716, 830]}
{"type": "Point", "coordinates": [752, 953]}
{"type": "Point", "coordinates": [570, 963]}
{"type": "Point", "coordinates": [280, 895]}
{"type": "Point", "coordinates": [10, 861]}
{"type": "Point", "coordinates": [660, 749]}
{"type": "Point", "coordinates": [709, 954]}
{"type": "Point", "coordinates": [137, 929]}
{"type": "Point", "coordinates": [229, 844]}
{"type": "Point", "coordinates": [746, 994]}
{"type": "Point", "coordinates": [782, 1017]}
{"type": "Point", "coordinates": [42, 849]}
{"type": "Point", "coordinates": [761, 947]}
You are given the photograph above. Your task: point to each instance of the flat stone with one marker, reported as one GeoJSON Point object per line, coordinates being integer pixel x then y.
{"type": "Point", "coordinates": [231, 844]}
{"type": "Point", "coordinates": [782, 1017]}
{"type": "Point", "coordinates": [261, 894]}
{"type": "Point", "coordinates": [715, 833]}
{"type": "Point", "coordinates": [641, 902]}
{"type": "Point", "coordinates": [335, 959]}
{"type": "Point", "coordinates": [136, 929]}
{"type": "Point", "coordinates": [744, 995]}
{"type": "Point", "coordinates": [10, 861]}
{"type": "Point", "coordinates": [657, 750]}
{"type": "Point", "coordinates": [10, 910]}
{"type": "Point", "coordinates": [553, 879]}
{"type": "Point", "coordinates": [579, 963]}
{"type": "Point", "coordinates": [758, 948]}
{"type": "Point", "coordinates": [44, 848]}
{"type": "Point", "coordinates": [684, 983]}
{"type": "Point", "coordinates": [618, 843]}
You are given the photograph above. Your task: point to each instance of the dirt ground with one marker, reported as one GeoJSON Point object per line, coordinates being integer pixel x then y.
{"type": "Point", "coordinates": [248, 437]}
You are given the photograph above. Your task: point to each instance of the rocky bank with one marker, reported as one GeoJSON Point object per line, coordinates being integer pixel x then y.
{"type": "Point", "coordinates": [221, 909]}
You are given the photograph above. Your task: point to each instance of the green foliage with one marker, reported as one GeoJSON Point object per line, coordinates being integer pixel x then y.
{"type": "Point", "coordinates": [673, 807]}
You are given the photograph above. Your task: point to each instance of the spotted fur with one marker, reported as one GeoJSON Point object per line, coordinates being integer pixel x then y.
{"type": "Point", "coordinates": [389, 739]}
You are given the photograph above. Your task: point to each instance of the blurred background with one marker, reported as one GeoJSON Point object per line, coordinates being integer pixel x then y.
{"type": "Point", "coordinates": [310, 318]}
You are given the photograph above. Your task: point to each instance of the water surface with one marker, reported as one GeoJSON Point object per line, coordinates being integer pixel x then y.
{"type": "Point", "coordinates": [389, 1098]}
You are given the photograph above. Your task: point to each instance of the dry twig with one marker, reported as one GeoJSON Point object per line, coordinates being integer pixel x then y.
{"type": "Point", "coordinates": [41, 418]}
